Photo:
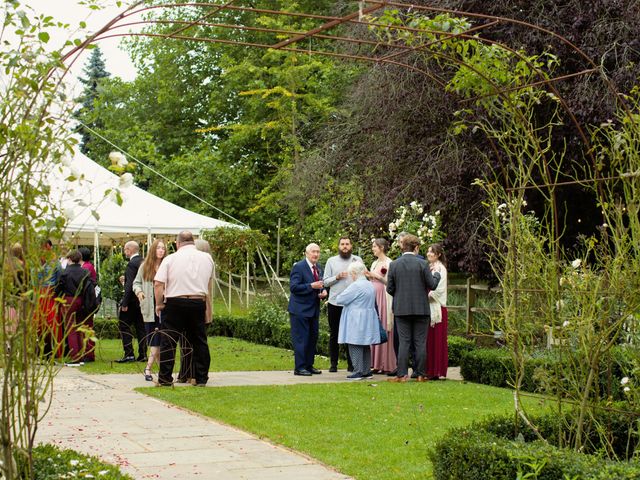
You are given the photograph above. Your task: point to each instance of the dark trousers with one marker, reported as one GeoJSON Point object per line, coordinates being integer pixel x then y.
{"type": "Point", "coordinates": [396, 346]}
{"type": "Point", "coordinates": [412, 330]}
{"type": "Point", "coordinates": [129, 322]}
{"type": "Point", "coordinates": [333, 315]}
{"type": "Point", "coordinates": [304, 338]}
{"type": "Point", "coordinates": [184, 317]}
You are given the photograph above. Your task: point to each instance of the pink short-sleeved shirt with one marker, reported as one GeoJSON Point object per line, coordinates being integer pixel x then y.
{"type": "Point", "coordinates": [185, 272]}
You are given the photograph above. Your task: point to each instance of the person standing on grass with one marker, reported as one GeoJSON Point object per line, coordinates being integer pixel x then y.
{"type": "Point", "coordinates": [408, 279]}
{"type": "Point", "coordinates": [90, 350]}
{"type": "Point", "coordinates": [437, 348]}
{"type": "Point", "coordinates": [337, 280]}
{"type": "Point", "coordinates": [383, 357]}
{"type": "Point", "coordinates": [143, 289]}
{"type": "Point", "coordinates": [307, 289]}
{"type": "Point", "coordinates": [130, 317]}
{"type": "Point", "coordinates": [359, 323]}
{"type": "Point", "coordinates": [70, 287]}
{"type": "Point", "coordinates": [181, 286]}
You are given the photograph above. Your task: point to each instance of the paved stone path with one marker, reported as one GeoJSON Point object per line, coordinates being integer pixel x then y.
{"type": "Point", "coordinates": [102, 415]}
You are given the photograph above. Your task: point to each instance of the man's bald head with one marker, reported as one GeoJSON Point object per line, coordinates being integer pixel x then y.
{"type": "Point", "coordinates": [131, 248]}
{"type": "Point", "coordinates": [185, 238]}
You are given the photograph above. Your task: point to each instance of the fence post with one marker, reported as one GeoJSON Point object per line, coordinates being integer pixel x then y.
{"type": "Point", "coordinates": [471, 299]}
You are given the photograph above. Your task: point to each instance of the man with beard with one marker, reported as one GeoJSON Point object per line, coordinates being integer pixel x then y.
{"type": "Point", "coordinates": [336, 280]}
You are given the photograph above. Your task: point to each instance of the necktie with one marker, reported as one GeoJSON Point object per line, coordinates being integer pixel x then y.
{"type": "Point", "coordinates": [315, 273]}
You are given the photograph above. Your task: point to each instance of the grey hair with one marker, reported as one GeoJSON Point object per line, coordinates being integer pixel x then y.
{"type": "Point", "coordinates": [357, 269]}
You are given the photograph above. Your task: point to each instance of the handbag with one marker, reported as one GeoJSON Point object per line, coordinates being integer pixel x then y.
{"type": "Point", "coordinates": [383, 334]}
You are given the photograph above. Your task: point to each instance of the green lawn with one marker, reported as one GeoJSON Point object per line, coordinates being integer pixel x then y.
{"type": "Point", "coordinates": [367, 430]}
{"type": "Point", "coordinates": [226, 354]}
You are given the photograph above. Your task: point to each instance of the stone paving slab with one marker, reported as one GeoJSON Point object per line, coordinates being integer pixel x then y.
{"type": "Point", "coordinates": [102, 415]}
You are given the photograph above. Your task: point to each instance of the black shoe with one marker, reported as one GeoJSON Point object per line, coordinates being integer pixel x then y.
{"type": "Point", "coordinates": [182, 380]}
{"type": "Point", "coordinates": [199, 384]}
{"type": "Point", "coordinates": [333, 369]}
{"type": "Point", "coordinates": [393, 374]}
{"type": "Point", "coordinates": [130, 359]}
{"type": "Point", "coordinates": [303, 372]}
{"type": "Point", "coordinates": [315, 371]}
{"type": "Point", "coordinates": [141, 359]}
{"type": "Point", "coordinates": [164, 384]}
{"type": "Point", "coordinates": [368, 374]}
{"type": "Point", "coordinates": [414, 374]}
{"type": "Point", "coordinates": [147, 375]}
{"type": "Point", "coordinates": [349, 369]}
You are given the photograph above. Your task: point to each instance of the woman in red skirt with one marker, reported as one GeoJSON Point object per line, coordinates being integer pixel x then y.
{"type": "Point", "coordinates": [437, 349]}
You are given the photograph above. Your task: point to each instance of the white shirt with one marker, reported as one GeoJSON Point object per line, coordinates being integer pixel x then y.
{"type": "Point", "coordinates": [185, 272]}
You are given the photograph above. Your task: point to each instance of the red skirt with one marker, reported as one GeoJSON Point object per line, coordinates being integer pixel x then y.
{"type": "Point", "coordinates": [437, 348]}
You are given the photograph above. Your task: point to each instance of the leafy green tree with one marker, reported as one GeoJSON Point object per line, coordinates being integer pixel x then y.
{"type": "Point", "coordinates": [228, 123]}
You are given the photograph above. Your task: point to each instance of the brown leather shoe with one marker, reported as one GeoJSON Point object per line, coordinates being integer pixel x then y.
{"type": "Point", "coordinates": [422, 379]}
{"type": "Point", "coordinates": [398, 379]}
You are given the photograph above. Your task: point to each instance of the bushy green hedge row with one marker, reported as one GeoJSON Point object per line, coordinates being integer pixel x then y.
{"type": "Point", "coordinates": [495, 367]}
{"type": "Point", "coordinates": [458, 346]}
{"type": "Point", "coordinates": [53, 463]}
{"type": "Point", "coordinates": [269, 326]}
{"type": "Point", "coordinates": [486, 450]}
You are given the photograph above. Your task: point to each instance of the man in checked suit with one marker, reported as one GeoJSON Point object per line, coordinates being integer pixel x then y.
{"type": "Point", "coordinates": [130, 317]}
{"type": "Point", "coordinates": [408, 279]}
{"type": "Point", "coordinates": [307, 289]}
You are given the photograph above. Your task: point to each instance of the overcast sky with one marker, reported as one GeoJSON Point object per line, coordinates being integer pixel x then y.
{"type": "Point", "coordinates": [68, 11]}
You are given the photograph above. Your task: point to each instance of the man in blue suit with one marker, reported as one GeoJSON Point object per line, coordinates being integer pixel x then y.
{"type": "Point", "coordinates": [307, 289]}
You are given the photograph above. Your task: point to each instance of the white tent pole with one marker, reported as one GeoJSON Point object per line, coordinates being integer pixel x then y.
{"type": "Point", "coordinates": [248, 280]}
{"type": "Point", "coordinates": [230, 280]}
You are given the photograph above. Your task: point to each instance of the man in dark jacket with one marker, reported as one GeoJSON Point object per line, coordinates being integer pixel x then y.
{"type": "Point", "coordinates": [408, 280]}
{"type": "Point", "coordinates": [130, 317]}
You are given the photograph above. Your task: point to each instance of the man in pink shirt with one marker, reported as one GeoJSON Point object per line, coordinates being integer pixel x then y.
{"type": "Point", "coordinates": [181, 289]}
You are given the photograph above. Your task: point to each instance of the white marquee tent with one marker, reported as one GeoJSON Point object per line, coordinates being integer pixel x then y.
{"type": "Point", "coordinates": [94, 216]}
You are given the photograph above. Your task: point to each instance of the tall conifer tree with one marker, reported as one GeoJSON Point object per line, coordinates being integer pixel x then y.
{"type": "Point", "coordinates": [94, 71]}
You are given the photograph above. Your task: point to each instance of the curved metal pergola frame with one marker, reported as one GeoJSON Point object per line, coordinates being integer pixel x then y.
{"type": "Point", "coordinates": [360, 15]}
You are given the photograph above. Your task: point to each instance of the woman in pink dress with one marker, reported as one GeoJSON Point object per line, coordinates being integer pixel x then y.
{"type": "Point", "coordinates": [437, 348]}
{"type": "Point", "coordinates": [383, 357]}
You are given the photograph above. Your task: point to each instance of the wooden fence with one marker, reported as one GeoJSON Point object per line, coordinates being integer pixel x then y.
{"type": "Point", "coordinates": [470, 307]}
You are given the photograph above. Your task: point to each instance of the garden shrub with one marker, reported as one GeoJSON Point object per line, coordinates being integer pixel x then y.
{"type": "Point", "coordinates": [487, 450]}
{"type": "Point", "coordinates": [269, 326]}
{"type": "Point", "coordinates": [494, 366]}
{"type": "Point", "coordinates": [53, 463]}
{"type": "Point", "coordinates": [457, 347]}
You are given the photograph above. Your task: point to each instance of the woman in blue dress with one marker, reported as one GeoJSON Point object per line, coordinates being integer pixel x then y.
{"type": "Point", "coordinates": [359, 323]}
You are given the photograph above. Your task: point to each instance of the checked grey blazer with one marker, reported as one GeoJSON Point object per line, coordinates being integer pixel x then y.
{"type": "Point", "coordinates": [408, 280]}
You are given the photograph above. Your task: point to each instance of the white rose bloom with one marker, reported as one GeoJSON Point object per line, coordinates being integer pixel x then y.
{"type": "Point", "coordinates": [118, 159]}
{"type": "Point", "coordinates": [624, 381]}
{"type": "Point", "coordinates": [126, 180]}
{"type": "Point", "coordinates": [566, 323]}
{"type": "Point", "coordinates": [626, 389]}
{"type": "Point", "coordinates": [576, 263]}
{"type": "Point", "coordinates": [68, 212]}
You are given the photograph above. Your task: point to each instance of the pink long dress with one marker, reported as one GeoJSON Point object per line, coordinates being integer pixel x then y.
{"type": "Point", "coordinates": [383, 356]}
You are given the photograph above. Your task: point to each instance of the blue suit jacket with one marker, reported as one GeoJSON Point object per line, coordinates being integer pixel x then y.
{"type": "Point", "coordinates": [304, 300]}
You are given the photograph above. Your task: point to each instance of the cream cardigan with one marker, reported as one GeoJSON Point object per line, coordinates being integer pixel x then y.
{"type": "Point", "coordinates": [438, 297]}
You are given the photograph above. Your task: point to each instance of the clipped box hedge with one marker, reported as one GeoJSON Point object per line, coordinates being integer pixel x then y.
{"type": "Point", "coordinates": [486, 450]}
{"type": "Point", "coordinates": [494, 366]}
{"type": "Point", "coordinates": [458, 346]}
{"type": "Point", "coordinates": [270, 327]}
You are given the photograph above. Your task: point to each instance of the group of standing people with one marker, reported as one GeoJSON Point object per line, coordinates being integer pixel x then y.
{"type": "Point", "coordinates": [403, 300]}
{"type": "Point", "coordinates": [167, 301]}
